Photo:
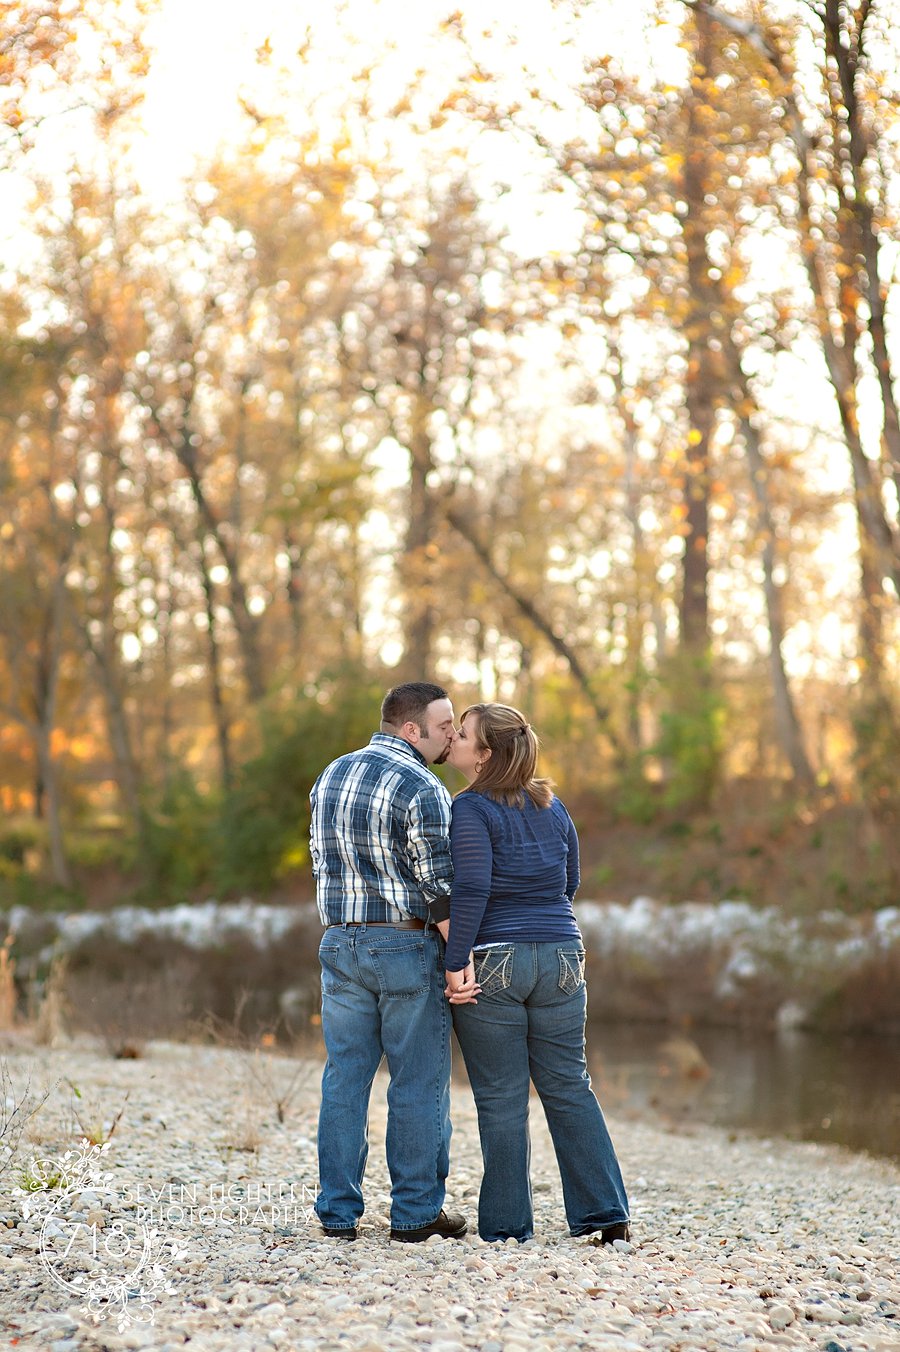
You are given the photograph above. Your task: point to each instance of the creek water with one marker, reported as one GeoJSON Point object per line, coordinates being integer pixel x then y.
{"type": "Point", "coordinates": [840, 1089]}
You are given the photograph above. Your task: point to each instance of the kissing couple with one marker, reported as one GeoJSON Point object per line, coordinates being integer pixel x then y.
{"type": "Point", "coordinates": [441, 910]}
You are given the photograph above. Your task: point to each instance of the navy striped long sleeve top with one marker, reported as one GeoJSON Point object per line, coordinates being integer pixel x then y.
{"type": "Point", "coordinates": [515, 874]}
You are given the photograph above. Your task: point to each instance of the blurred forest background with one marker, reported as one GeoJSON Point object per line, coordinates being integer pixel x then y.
{"type": "Point", "coordinates": [549, 356]}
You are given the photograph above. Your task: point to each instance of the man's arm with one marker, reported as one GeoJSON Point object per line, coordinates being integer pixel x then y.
{"type": "Point", "coordinates": [314, 813]}
{"type": "Point", "coordinates": [428, 850]}
{"type": "Point", "coordinates": [428, 843]}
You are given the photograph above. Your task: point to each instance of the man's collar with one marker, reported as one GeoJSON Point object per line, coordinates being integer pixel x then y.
{"type": "Point", "coordinates": [397, 744]}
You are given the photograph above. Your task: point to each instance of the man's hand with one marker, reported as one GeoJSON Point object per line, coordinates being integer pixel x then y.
{"type": "Point", "coordinates": [462, 987]}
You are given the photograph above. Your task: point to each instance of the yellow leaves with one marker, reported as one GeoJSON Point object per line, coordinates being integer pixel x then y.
{"type": "Point", "coordinates": [695, 437]}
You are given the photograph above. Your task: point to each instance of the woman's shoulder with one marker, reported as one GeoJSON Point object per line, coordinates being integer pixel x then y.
{"type": "Point", "coordinates": [558, 807]}
{"type": "Point", "coordinates": [470, 803]}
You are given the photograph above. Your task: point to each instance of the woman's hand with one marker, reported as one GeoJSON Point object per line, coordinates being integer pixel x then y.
{"type": "Point", "coordinates": [462, 987]}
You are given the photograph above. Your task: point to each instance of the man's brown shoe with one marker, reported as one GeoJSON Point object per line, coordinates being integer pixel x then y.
{"type": "Point", "coordinates": [614, 1232]}
{"type": "Point", "coordinates": [451, 1225]}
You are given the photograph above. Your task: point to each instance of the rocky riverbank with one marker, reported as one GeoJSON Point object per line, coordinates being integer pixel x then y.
{"type": "Point", "coordinates": [738, 1243]}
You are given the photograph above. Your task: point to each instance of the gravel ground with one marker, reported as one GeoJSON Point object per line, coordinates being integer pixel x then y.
{"type": "Point", "coordinates": [738, 1243]}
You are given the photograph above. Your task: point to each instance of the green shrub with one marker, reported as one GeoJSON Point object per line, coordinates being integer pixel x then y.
{"type": "Point", "coordinates": [177, 840]}
{"type": "Point", "coordinates": [690, 743]}
{"type": "Point", "coordinates": [635, 797]}
{"type": "Point", "coordinates": [876, 724]}
{"type": "Point", "coordinates": [17, 838]}
{"type": "Point", "coordinates": [100, 849]}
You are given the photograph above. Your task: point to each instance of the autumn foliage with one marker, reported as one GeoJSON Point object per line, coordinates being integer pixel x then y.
{"type": "Point", "coordinates": [572, 385]}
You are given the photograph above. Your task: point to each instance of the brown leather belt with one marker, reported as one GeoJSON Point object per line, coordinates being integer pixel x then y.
{"type": "Point", "coordinates": [380, 924]}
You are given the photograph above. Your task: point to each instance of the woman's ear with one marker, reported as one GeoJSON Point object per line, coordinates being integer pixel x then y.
{"type": "Point", "coordinates": [485, 753]}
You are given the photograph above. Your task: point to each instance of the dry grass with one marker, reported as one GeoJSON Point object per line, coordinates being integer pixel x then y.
{"type": "Point", "coordinates": [94, 1120]}
{"type": "Point", "coordinates": [7, 985]}
{"type": "Point", "coordinates": [49, 1023]}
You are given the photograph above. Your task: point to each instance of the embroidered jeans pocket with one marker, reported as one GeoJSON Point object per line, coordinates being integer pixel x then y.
{"type": "Point", "coordinates": [493, 970]}
{"type": "Point", "coordinates": [571, 969]}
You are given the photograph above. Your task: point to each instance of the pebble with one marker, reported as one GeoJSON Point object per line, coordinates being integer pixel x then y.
{"type": "Point", "coordinates": [780, 1316]}
{"type": "Point", "coordinates": [823, 1314]}
{"type": "Point", "coordinates": [732, 1248]}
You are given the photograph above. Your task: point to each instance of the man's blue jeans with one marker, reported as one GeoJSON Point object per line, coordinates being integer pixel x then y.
{"type": "Point", "coordinates": [528, 1025]}
{"type": "Point", "coordinates": [383, 995]}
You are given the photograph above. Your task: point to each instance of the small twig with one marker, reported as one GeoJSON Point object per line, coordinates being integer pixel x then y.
{"type": "Point", "coordinates": [16, 1111]}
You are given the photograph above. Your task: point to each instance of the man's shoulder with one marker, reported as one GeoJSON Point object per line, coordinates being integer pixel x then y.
{"type": "Point", "coordinates": [379, 759]}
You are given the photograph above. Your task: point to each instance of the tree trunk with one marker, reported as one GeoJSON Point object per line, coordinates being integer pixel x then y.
{"type": "Point", "coordinates": [46, 688]}
{"type": "Point", "coordinates": [847, 57]}
{"type": "Point", "coordinates": [127, 776]}
{"type": "Point", "coordinates": [702, 377]}
{"type": "Point", "coordinates": [217, 696]}
{"type": "Point", "coordinates": [689, 744]}
{"type": "Point", "coordinates": [246, 625]}
{"type": "Point", "coordinates": [786, 720]}
{"type": "Point", "coordinates": [417, 566]}
{"type": "Point", "coordinates": [643, 566]}
{"type": "Point", "coordinates": [883, 541]}
{"type": "Point", "coordinates": [294, 590]}
{"type": "Point", "coordinates": [787, 723]}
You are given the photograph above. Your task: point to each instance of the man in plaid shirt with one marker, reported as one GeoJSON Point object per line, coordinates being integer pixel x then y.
{"type": "Point", "coordinates": [380, 846]}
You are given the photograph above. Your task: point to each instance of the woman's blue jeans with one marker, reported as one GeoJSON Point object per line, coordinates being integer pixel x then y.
{"type": "Point", "coordinates": [528, 1026]}
{"type": "Point", "coordinates": [383, 995]}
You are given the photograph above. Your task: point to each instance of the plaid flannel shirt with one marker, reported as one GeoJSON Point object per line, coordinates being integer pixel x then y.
{"type": "Point", "coordinates": [380, 836]}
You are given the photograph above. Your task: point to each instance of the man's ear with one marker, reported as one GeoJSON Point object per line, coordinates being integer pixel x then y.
{"type": "Point", "coordinates": [412, 732]}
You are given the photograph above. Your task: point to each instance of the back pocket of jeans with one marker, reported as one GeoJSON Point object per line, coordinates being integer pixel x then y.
{"type": "Point", "coordinates": [571, 969]}
{"type": "Point", "coordinates": [493, 970]}
{"type": "Point", "coordinates": [401, 967]}
{"type": "Point", "coordinates": [334, 978]}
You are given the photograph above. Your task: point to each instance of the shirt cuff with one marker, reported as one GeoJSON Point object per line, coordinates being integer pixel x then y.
{"type": "Point", "coordinates": [439, 908]}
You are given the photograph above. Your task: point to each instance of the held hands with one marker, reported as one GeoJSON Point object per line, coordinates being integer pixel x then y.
{"type": "Point", "coordinates": [462, 988]}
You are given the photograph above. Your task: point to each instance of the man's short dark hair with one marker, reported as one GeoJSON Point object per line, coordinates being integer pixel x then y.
{"type": "Point", "coordinates": [407, 703]}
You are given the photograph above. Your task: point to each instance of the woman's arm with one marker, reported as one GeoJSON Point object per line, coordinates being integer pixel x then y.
{"type": "Point", "coordinates": [472, 854]}
{"type": "Point", "coordinates": [573, 861]}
